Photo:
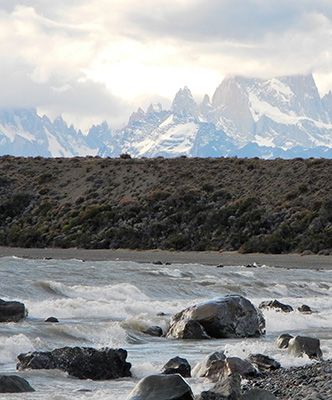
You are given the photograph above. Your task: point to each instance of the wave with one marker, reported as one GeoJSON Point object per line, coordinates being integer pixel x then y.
{"type": "Point", "coordinates": [102, 335]}
{"type": "Point", "coordinates": [10, 347]}
{"type": "Point", "coordinates": [121, 291]}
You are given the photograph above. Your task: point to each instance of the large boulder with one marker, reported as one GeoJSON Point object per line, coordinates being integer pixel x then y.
{"type": "Point", "coordinates": [231, 316]}
{"type": "Point", "coordinates": [14, 384]}
{"type": "Point", "coordinates": [300, 345]}
{"type": "Point", "coordinates": [11, 311]}
{"type": "Point", "coordinates": [81, 362]}
{"type": "Point", "coordinates": [162, 387]}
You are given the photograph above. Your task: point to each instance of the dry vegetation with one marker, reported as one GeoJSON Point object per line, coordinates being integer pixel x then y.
{"type": "Point", "coordinates": [248, 205]}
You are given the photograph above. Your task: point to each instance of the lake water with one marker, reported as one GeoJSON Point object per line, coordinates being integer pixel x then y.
{"type": "Point", "coordinates": [110, 304]}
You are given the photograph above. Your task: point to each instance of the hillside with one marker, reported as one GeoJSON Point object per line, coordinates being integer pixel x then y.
{"type": "Point", "coordinates": [250, 205]}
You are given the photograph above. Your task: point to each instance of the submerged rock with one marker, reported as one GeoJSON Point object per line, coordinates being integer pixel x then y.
{"type": "Point", "coordinates": [154, 331]}
{"type": "Point", "coordinates": [81, 362]}
{"type": "Point", "coordinates": [52, 320]}
{"type": "Point", "coordinates": [231, 316]}
{"type": "Point", "coordinates": [305, 309]}
{"type": "Point", "coordinates": [12, 311]}
{"type": "Point", "coordinates": [14, 384]}
{"type": "Point", "coordinates": [162, 387]}
{"type": "Point", "coordinates": [275, 304]}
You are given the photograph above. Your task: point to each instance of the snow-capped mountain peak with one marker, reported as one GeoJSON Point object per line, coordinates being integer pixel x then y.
{"type": "Point", "coordinates": [275, 117]}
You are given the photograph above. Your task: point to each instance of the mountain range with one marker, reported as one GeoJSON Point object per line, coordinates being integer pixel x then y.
{"type": "Point", "coordinates": [246, 117]}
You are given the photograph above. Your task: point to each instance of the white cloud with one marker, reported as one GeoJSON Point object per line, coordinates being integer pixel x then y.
{"type": "Point", "coordinates": [97, 59]}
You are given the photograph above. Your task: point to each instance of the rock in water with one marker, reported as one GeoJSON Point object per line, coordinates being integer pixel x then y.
{"type": "Point", "coordinates": [11, 311]}
{"type": "Point", "coordinates": [81, 362]}
{"type": "Point", "coordinates": [276, 304]}
{"type": "Point", "coordinates": [282, 341]}
{"type": "Point", "coordinates": [177, 365]}
{"type": "Point", "coordinates": [231, 316]}
{"type": "Point", "coordinates": [14, 384]}
{"type": "Point", "coordinates": [211, 366]}
{"type": "Point", "coordinates": [162, 387]}
{"type": "Point", "coordinates": [300, 345]}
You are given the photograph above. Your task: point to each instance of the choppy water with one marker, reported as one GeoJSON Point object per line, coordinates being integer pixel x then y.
{"type": "Point", "coordinates": [110, 304]}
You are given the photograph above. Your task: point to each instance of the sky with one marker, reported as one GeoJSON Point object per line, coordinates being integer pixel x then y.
{"type": "Point", "coordinates": [97, 60]}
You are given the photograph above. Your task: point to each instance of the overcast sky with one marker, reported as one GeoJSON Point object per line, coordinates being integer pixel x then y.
{"type": "Point", "coordinates": [95, 60]}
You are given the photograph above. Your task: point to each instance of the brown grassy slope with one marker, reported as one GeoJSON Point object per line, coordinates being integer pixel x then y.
{"type": "Point", "coordinates": [187, 204]}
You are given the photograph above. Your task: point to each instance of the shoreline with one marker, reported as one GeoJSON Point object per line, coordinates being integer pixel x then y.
{"type": "Point", "coordinates": [225, 258]}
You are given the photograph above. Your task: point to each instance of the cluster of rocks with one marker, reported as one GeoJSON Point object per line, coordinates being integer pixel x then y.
{"type": "Point", "coordinates": [309, 382]}
{"type": "Point", "coordinates": [231, 316]}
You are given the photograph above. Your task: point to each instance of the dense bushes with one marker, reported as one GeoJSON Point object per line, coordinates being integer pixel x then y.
{"type": "Point", "coordinates": [182, 204]}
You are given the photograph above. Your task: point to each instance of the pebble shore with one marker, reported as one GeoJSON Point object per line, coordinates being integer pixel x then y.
{"type": "Point", "coordinates": [309, 382]}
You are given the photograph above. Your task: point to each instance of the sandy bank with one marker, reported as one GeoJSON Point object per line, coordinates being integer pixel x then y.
{"type": "Point", "coordinates": [208, 258]}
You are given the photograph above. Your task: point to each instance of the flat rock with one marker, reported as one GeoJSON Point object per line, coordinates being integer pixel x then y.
{"type": "Point", "coordinates": [81, 362]}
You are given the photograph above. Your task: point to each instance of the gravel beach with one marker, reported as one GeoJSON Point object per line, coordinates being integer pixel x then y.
{"type": "Point", "coordinates": [310, 382]}
{"type": "Point", "coordinates": [225, 258]}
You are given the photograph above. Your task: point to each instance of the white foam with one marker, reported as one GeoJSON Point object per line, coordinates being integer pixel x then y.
{"type": "Point", "coordinates": [10, 347]}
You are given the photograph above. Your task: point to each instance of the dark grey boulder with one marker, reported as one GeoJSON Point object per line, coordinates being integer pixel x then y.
{"type": "Point", "coordinates": [258, 394]}
{"type": "Point", "coordinates": [300, 345]}
{"type": "Point", "coordinates": [187, 329]}
{"type": "Point", "coordinates": [162, 387]}
{"type": "Point", "coordinates": [12, 311]}
{"type": "Point", "coordinates": [210, 367]}
{"type": "Point", "coordinates": [282, 341]}
{"type": "Point", "coordinates": [304, 309]}
{"type": "Point", "coordinates": [231, 316]}
{"type": "Point", "coordinates": [275, 304]}
{"type": "Point", "coordinates": [81, 362]}
{"type": "Point", "coordinates": [154, 331]}
{"type": "Point", "coordinates": [14, 384]}
{"type": "Point", "coordinates": [52, 320]}
{"type": "Point", "coordinates": [228, 388]}
{"type": "Point", "coordinates": [263, 362]}
{"type": "Point", "coordinates": [177, 365]}
{"type": "Point", "coordinates": [238, 366]}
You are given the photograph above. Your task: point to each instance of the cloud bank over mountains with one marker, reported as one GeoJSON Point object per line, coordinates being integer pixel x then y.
{"type": "Point", "coordinates": [95, 60]}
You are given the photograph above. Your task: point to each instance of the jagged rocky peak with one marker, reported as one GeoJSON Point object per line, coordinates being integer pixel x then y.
{"type": "Point", "coordinates": [137, 116]}
{"type": "Point", "coordinates": [228, 91]}
{"type": "Point", "coordinates": [205, 106]}
{"type": "Point", "coordinates": [184, 103]}
{"type": "Point", "coordinates": [154, 108]}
